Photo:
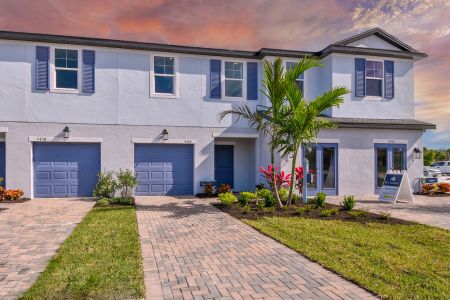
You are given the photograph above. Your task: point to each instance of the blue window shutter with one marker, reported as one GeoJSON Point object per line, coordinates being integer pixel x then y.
{"type": "Point", "coordinates": [360, 77]}
{"type": "Point", "coordinates": [215, 69]}
{"type": "Point", "coordinates": [388, 79]}
{"type": "Point", "coordinates": [88, 71]}
{"type": "Point", "coordinates": [42, 67]}
{"type": "Point", "coordinates": [252, 81]}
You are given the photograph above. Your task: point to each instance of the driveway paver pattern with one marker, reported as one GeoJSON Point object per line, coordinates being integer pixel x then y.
{"type": "Point", "coordinates": [192, 250]}
{"type": "Point", "coordinates": [30, 234]}
{"type": "Point", "coordinates": [434, 211]}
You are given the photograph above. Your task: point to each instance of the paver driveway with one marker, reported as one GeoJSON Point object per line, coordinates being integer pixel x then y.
{"type": "Point", "coordinates": [193, 250]}
{"type": "Point", "coordinates": [30, 234]}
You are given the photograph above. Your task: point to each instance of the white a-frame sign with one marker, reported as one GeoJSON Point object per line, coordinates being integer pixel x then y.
{"type": "Point", "coordinates": [396, 186]}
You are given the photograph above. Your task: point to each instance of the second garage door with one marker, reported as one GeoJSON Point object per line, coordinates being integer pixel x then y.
{"type": "Point", "coordinates": [65, 170]}
{"type": "Point", "coordinates": [164, 169]}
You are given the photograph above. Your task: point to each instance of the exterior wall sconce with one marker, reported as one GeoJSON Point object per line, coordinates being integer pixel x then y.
{"type": "Point", "coordinates": [66, 132]}
{"type": "Point", "coordinates": [417, 153]}
{"type": "Point", "coordinates": [165, 135]}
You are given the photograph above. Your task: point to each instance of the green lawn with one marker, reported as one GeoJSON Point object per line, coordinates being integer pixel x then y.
{"type": "Point", "coordinates": [394, 261]}
{"type": "Point", "coordinates": [101, 259]}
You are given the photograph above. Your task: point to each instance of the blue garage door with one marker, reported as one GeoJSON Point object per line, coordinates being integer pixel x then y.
{"type": "Point", "coordinates": [65, 170]}
{"type": "Point", "coordinates": [2, 163]}
{"type": "Point", "coordinates": [164, 169]}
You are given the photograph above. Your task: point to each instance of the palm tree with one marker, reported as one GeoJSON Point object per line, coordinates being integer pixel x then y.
{"type": "Point", "coordinates": [265, 118]}
{"type": "Point", "coordinates": [300, 122]}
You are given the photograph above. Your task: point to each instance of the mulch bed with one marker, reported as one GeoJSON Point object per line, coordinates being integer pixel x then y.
{"type": "Point", "coordinates": [22, 200]}
{"type": "Point", "coordinates": [315, 213]}
{"type": "Point", "coordinates": [437, 195]}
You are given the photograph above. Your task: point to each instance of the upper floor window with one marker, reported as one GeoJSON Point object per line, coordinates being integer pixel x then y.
{"type": "Point", "coordinates": [300, 80]}
{"type": "Point", "coordinates": [234, 78]}
{"type": "Point", "coordinates": [66, 69]}
{"type": "Point", "coordinates": [374, 78]}
{"type": "Point", "coordinates": [164, 68]}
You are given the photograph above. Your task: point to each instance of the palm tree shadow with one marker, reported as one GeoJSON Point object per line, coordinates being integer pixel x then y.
{"type": "Point", "coordinates": [179, 209]}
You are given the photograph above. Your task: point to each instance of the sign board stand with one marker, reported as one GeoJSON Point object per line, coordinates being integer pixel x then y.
{"type": "Point", "coordinates": [396, 186]}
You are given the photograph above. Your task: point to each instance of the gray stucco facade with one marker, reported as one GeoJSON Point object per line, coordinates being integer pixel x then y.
{"type": "Point", "coordinates": [124, 111]}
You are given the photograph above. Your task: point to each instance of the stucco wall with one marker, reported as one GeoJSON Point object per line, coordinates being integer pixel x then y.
{"type": "Point", "coordinates": [117, 149]}
{"type": "Point", "coordinates": [356, 156]}
{"type": "Point", "coordinates": [400, 107]}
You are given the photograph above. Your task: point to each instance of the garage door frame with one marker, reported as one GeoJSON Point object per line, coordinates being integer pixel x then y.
{"type": "Point", "coordinates": [171, 142]}
{"type": "Point", "coordinates": [68, 141]}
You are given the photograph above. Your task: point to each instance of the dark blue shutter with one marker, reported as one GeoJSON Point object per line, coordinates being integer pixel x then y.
{"type": "Point", "coordinates": [42, 67]}
{"type": "Point", "coordinates": [88, 71]}
{"type": "Point", "coordinates": [252, 81]}
{"type": "Point", "coordinates": [360, 77]}
{"type": "Point", "coordinates": [388, 79]}
{"type": "Point", "coordinates": [215, 66]}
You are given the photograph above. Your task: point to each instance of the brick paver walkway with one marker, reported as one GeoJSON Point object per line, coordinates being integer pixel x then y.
{"type": "Point", "coordinates": [191, 250]}
{"type": "Point", "coordinates": [30, 234]}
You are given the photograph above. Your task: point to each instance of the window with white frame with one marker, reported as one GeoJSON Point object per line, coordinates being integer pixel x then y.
{"type": "Point", "coordinates": [164, 72]}
{"type": "Point", "coordinates": [374, 78]}
{"type": "Point", "coordinates": [66, 69]}
{"type": "Point", "coordinates": [234, 78]}
{"type": "Point", "coordinates": [300, 80]}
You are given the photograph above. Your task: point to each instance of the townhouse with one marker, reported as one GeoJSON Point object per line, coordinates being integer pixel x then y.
{"type": "Point", "coordinates": [72, 106]}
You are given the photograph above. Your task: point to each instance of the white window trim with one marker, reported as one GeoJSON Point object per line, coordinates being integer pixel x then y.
{"type": "Point", "coordinates": [305, 76]}
{"type": "Point", "coordinates": [53, 87]}
{"type": "Point", "coordinates": [244, 80]}
{"type": "Point", "coordinates": [372, 97]}
{"type": "Point", "coordinates": [176, 77]}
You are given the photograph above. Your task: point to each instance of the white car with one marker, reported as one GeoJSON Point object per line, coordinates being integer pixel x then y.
{"type": "Point", "coordinates": [443, 166]}
{"type": "Point", "coordinates": [431, 172]}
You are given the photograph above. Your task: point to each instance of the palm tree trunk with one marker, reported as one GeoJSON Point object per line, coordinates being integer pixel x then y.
{"type": "Point", "coordinates": [275, 188]}
{"type": "Point", "coordinates": [291, 187]}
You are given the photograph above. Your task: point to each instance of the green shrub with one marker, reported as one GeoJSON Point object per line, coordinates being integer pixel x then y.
{"type": "Point", "coordinates": [283, 193]}
{"type": "Point", "coordinates": [269, 200]}
{"type": "Point", "coordinates": [106, 185]}
{"type": "Point", "coordinates": [126, 182]}
{"type": "Point", "coordinates": [260, 205]}
{"type": "Point", "coordinates": [227, 198]}
{"type": "Point", "coordinates": [295, 198]}
{"type": "Point", "coordinates": [122, 200]}
{"type": "Point", "coordinates": [305, 209]}
{"type": "Point", "coordinates": [384, 215]}
{"type": "Point", "coordinates": [285, 208]}
{"type": "Point", "coordinates": [263, 193]}
{"type": "Point", "coordinates": [357, 213]}
{"type": "Point", "coordinates": [102, 202]}
{"type": "Point", "coordinates": [328, 212]}
{"type": "Point", "coordinates": [348, 203]}
{"type": "Point", "coordinates": [320, 199]}
{"type": "Point", "coordinates": [246, 209]}
{"type": "Point", "coordinates": [245, 197]}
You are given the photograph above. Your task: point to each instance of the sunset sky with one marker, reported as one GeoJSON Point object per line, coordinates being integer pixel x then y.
{"type": "Point", "coordinates": [252, 24]}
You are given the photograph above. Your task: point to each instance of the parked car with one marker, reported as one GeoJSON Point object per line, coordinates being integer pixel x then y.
{"type": "Point", "coordinates": [431, 172]}
{"type": "Point", "coordinates": [443, 166]}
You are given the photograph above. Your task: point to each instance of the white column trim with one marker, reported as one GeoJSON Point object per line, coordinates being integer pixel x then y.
{"type": "Point", "coordinates": [161, 141]}
{"type": "Point", "coordinates": [235, 135]}
{"type": "Point", "coordinates": [58, 139]}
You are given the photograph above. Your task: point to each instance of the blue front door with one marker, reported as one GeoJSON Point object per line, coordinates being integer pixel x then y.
{"type": "Point", "coordinates": [223, 165]}
{"type": "Point", "coordinates": [388, 157]}
{"type": "Point", "coordinates": [65, 170]}
{"type": "Point", "coordinates": [164, 169]}
{"type": "Point", "coordinates": [322, 167]}
{"type": "Point", "coordinates": [2, 163]}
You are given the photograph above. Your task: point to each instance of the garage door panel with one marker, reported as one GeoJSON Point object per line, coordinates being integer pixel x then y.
{"type": "Point", "coordinates": [65, 170]}
{"type": "Point", "coordinates": [168, 169]}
